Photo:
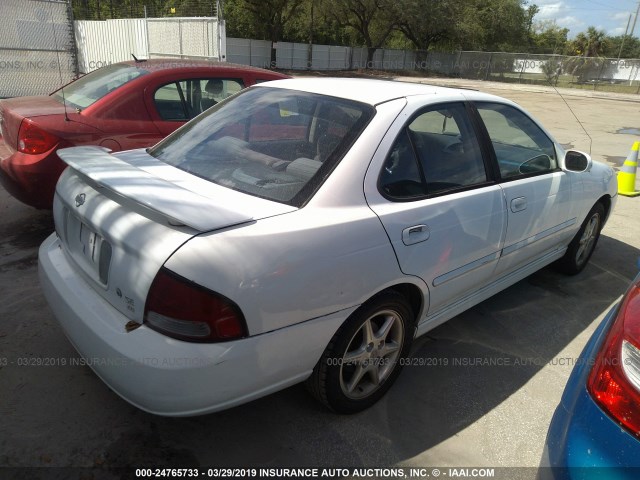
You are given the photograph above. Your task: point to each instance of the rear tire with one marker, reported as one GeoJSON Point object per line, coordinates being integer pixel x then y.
{"type": "Point", "coordinates": [365, 356]}
{"type": "Point", "coordinates": [583, 244]}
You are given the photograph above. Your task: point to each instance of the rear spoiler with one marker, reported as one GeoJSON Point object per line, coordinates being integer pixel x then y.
{"type": "Point", "coordinates": [179, 205]}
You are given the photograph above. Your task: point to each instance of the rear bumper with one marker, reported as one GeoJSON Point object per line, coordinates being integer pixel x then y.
{"type": "Point", "coordinates": [169, 377]}
{"type": "Point", "coordinates": [30, 178]}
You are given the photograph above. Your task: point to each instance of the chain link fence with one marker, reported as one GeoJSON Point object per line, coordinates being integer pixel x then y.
{"type": "Point", "coordinates": [605, 74]}
{"type": "Point", "coordinates": [184, 37]}
{"type": "Point", "coordinates": [37, 48]}
{"type": "Point", "coordinates": [116, 9]}
{"type": "Point", "coordinates": [599, 73]}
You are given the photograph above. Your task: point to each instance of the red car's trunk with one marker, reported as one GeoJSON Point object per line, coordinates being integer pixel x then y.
{"type": "Point", "coordinates": [14, 110]}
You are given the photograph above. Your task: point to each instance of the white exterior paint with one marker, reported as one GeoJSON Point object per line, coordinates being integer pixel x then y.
{"type": "Point", "coordinates": [295, 273]}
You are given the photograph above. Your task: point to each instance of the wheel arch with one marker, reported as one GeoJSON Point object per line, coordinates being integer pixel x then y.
{"type": "Point", "coordinates": [414, 295]}
{"type": "Point", "coordinates": [605, 200]}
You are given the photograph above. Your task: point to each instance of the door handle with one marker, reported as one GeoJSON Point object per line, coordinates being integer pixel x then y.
{"type": "Point", "coordinates": [415, 234]}
{"type": "Point", "coordinates": [518, 204]}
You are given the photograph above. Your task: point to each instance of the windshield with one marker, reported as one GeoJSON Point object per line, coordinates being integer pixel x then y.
{"type": "Point", "coordinates": [272, 143]}
{"type": "Point", "coordinates": [93, 86]}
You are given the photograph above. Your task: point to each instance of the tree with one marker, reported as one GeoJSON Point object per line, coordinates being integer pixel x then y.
{"type": "Point", "coordinates": [531, 12]}
{"type": "Point", "coordinates": [548, 37]}
{"type": "Point", "coordinates": [630, 48]}
{"type": "Point", "coordinates": [371, 20]}
{"type": "Point", "coordinates": [552, 69]}
{"type": "Point", "coordinates": [495, 25]}
{"type": "Point", "coordinates": [425, 29]}
{"type": "Point", "coordinates": [265, 19]}
{"type": "Point", "coordinates": [591, 43]}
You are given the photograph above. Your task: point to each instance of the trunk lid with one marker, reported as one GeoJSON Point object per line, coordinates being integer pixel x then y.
{"type": "Point", "coordinates": [14, 110]}
{"type": "Point", "coordinates": [120, 217]}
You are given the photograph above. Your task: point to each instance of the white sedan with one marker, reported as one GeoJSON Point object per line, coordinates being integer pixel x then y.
{"type": "Point", "coordinates": [307, 230]}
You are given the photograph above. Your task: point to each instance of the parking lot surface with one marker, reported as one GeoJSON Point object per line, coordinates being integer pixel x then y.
{"type": "Point", "coordinates": [480, 391]}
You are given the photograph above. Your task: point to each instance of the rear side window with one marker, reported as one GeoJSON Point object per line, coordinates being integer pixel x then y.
{"type": "Point", "coordinates": [436, 152]}
{"type": "Point", "coordinates": [93, 86]}
{"type": "Point", "coordinates": [521, 147]}
{"type": "Point", "coordinates": [185, 99]}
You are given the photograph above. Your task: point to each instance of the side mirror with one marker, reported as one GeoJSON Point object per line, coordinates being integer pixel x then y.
{"type": "Point", "coordinates": [576, 161]}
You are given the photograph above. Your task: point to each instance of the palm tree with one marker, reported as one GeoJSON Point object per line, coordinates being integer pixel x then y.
{"type": "Point", "coordinates": [587, 62]}
{"type": "Point", "coordinates": [590, 44]}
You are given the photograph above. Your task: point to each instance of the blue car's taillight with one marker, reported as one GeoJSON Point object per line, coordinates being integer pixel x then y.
{"type": "Point", "coordinates": [614, 381]}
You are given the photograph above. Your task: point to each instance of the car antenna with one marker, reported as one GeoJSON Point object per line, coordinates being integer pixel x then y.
{"type": "Point", "coordinates": [137, 60]}
{"type": "Point", "coordinates": [572, 113]}
{"type": "Point", "coordinates": [55, 42]}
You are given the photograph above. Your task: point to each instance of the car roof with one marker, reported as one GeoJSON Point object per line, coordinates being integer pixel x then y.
{"type": "Point", "coordinates": [159, 64]}
{"type": "Point", "coordinates": [373, 92]}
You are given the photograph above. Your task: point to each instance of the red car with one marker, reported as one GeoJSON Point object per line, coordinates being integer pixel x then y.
{"type": "Point", "coordinates": [122, 106]}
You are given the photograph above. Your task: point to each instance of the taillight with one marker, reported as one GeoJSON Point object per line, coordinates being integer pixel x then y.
{"type": "Point", "coordinates": [34, 140]}
{"type": "Point", "coordinates": [614, 381]}
{"type": "Point", "coordinates": [182, 309]}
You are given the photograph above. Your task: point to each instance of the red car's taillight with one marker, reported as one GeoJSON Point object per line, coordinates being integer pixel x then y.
{"type": "Point", "coordinates": [182, 309]}
{"type": "Point", "coordinates": [614, 381]}
{"type": "Point", "coordinates": [34, 140]}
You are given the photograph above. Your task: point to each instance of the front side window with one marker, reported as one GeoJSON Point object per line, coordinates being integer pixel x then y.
{"type": "Point", "coordinates": [520, 145]}
{"type": "Point", "coordinates": [273, 143]}
{"type": "Point", "coordinates": [93, 86]}
{"type": "Point", "coordinates": [185, 99]}
{"type": "Point", "coordinates": [436, 152]}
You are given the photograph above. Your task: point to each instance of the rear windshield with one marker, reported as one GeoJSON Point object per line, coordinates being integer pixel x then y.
{"type": "Point", "coordinates": [272, 143]}
{"type": "Point", "coordinates": [93, 86]}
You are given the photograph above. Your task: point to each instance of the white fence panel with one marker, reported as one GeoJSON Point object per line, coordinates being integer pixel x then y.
{"type": "Point", "coordinates": [339, 58]}
{"type": "Point", "coordinates": [376, 61]}
{"type": "Point", "coordinates": [260, 53]}
{"type": "Point", "coordinates": [184, 37]}
{"type": "Point", "coordinates": [239, 50]}
{"type": "Point", "coordinates": [195, 38]}
{"type": "Point", "coordinates": [293, 56]}
{"type": "Point", "coordinates": [441, 62]}
{"type": "Point", "coordinates": [394, 59]}
{"type": "Point", "coordinates": [358, 57]}
{"type": "Point", "coordinates": [330, 57]}
{"type": "Point", "coordinates": [164, 38]}
{"type": "Point", "coordinates": [411, 60]}
{"type": "Point", "coordinates": [249, 52]}
{"type": "Point", "coordinates": [320, 57]}
{"type": "Point", "coordinates": [104, 42]}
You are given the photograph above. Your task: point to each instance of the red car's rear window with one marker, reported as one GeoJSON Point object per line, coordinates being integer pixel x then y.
{"type": "Point", "coordinates": [93, 86]}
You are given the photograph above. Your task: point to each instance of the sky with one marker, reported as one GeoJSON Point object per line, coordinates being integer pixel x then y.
{"type": "Point", "coordinates": [576, 15]}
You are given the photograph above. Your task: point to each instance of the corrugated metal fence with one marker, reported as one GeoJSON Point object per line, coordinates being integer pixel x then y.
{"type": "Point", "coordinates": [103, 42]}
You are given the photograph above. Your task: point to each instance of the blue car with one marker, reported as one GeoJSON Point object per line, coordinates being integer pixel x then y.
{"type": "Point", "coordinates": [595, 431]}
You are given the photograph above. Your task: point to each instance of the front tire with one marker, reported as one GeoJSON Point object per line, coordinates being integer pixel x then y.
{"type": "Point", "coordinates": [584, 243]}
{"type": "Point", "coordinates": [365, 356]}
